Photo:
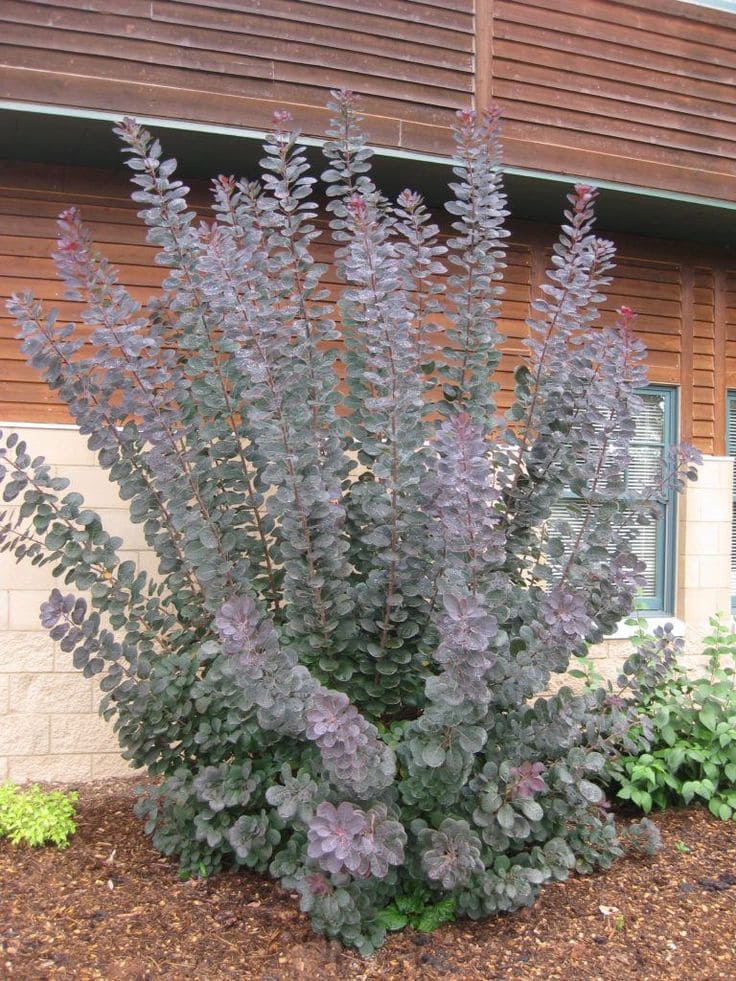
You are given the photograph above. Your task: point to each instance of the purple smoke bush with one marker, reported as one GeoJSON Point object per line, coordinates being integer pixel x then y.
{"type": "Point", "coordinates": [363, 844]}
{"type": "Point", "coordinates": [365, 579]}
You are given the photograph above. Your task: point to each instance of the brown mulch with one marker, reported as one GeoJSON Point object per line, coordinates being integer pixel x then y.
{"type": "Point", "coordinates": [110, 907]}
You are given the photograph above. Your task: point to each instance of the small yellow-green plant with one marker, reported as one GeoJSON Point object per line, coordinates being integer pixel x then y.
{"type": "Point", "coordinates": [32, 817]}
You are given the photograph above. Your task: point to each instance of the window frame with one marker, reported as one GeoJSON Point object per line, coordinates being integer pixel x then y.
{"type": "Point", "coordinates": [731, 451]}
{"type": "Point", "coordinates": [662, 603]}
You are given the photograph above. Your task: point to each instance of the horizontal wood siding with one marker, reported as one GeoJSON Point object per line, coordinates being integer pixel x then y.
{"type": "Point", "coordinates": [641, 92]}
{"type": "Point", "coordinates": [638, 92]}
{"type": "Point", "coordinates": [682, 309]}
{"type": "Point", "coordinates": [235, 63]}
{"type": "Point", "coordinates": [31, 197]}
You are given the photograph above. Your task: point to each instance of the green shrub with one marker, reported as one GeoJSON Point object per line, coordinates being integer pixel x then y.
{"type": "Point", "coordinates": [32, 817]}
{"type": "Point", "coordinates": [685, 747]}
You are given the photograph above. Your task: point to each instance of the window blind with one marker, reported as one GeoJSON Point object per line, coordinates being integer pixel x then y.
{"type": "Point", "coordinates": [644, 472]}
{"type": "Point", "coordinates": [652, 543]}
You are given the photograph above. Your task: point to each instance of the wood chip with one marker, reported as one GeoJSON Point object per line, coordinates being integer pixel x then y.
{"type": "Point", "coordinates": [58, 918]}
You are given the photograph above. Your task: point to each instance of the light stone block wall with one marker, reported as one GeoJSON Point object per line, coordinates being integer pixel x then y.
{"type": "Point", "coordinates": [50, 728]}
{"type": "Point", "coordinates": [704, 552]}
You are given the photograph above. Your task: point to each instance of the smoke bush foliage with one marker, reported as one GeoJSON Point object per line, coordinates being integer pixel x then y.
{"type": "Point", "coordinates": [363, 592]}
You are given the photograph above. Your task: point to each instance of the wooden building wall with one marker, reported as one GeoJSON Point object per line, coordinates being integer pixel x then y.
{"type": "Point", "coordinates": [636, 91]}
{"type": "Point", "coordinates": [685, 298]}
{"type": "Point", "coordinates": [234, 63]}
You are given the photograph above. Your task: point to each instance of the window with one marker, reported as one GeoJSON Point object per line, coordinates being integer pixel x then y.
{"type": "Point", "coordinates": [656, 430]}
{"type": "Point", "coordinates": [731, 451]}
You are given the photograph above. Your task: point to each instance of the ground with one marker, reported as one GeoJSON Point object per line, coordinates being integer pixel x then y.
{"type": "Point", "coordinates": [110, 907]}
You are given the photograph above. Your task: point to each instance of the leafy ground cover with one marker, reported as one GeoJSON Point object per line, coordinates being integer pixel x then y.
{"type": "Point", "coordinates": [111, 907]}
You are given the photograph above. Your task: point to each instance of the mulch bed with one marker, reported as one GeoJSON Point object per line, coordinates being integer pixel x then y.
{"type": "Point", "coordinates": [110, 907]}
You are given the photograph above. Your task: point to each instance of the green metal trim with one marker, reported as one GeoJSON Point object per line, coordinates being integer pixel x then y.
{"type": "Point", "coordinates": [441, 160]}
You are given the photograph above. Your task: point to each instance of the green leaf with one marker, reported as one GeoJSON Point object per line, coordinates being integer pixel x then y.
{"type": "Point", "coordinates": [413, 902]}
{"type": "Point", "coordinates": [391, 919]}
{"type": "Point", "coordinates": [530, 809]}
{"type": "Point", "coordinates": [642, 799]}
{"type": "Point", "coordinates": [435, 916]}
{"type": "Point", "coordinates": [675, 757]}
{"type": "Point", "coordinates": [643, 774]}
{"type": "Point", "coordinates": [708, 716]}
{"type": "Point", "coordinates": [506, 817]}
{"type": "Point", "coordinates": [688, 791]}
{"type": "Point", "coordinates": [710, 770]}
{"type": "Point", "coordinates": [669, 734]}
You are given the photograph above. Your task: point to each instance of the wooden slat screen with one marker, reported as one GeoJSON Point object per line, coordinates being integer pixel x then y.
{"type": "Point", "coordinates": [703, 360]}
{"type": "Point", "coordinates": [730, 318]}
